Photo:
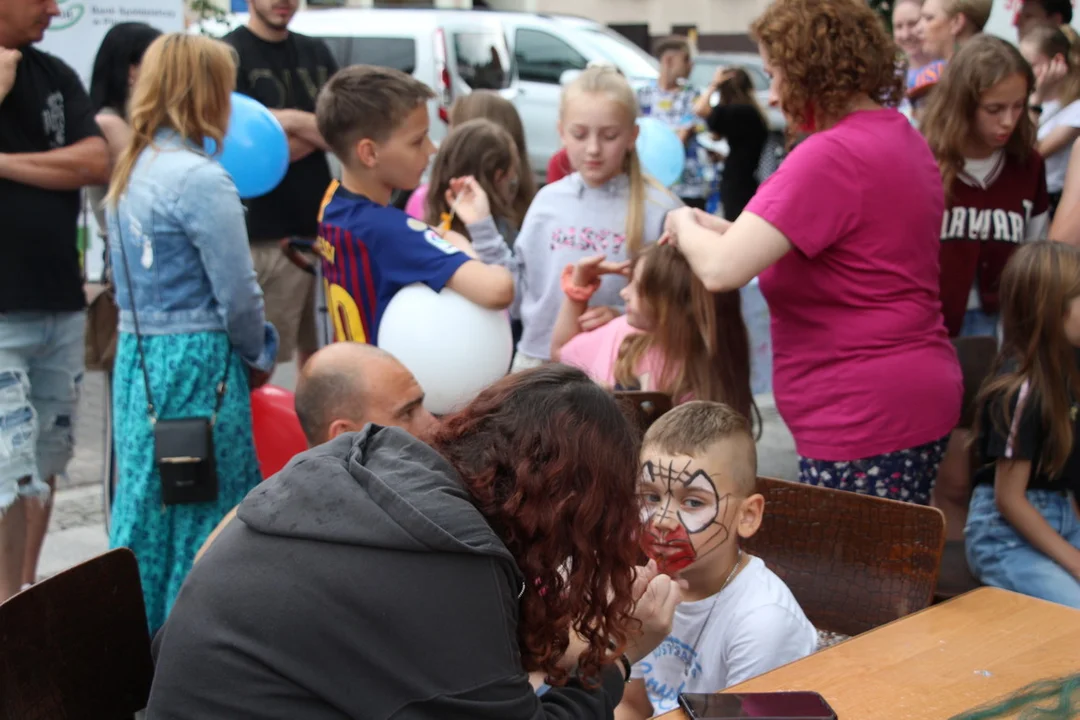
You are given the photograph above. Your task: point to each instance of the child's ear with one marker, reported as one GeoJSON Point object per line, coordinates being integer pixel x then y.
{"type": "Point", "coordinates": [367, 152]}
{"type": "Point", "coordinates": [750, 513]}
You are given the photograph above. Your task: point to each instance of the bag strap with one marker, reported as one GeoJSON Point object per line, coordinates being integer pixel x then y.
{"type": "Point", "coordinates": [150, 410]}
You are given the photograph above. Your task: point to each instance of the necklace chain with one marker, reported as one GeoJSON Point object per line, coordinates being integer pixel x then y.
{"type": "Point", "coordinates": [708, 616]}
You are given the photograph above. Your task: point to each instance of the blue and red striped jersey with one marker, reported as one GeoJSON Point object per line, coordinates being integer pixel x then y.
{"type": "Point", "coordinates": [368, 253]}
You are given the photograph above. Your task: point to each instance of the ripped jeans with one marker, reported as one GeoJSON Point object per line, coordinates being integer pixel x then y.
{"type": "Point", "coordinates": [41, 369]}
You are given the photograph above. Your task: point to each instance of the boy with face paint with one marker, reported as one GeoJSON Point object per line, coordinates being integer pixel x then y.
{"type": "Point", "coordinates": [738, 619]}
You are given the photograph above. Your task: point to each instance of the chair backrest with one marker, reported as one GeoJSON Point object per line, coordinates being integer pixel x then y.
{"type": "Point", "coordinates": [76, 646]}
{"type": "Point", "coordinates": [852, 561]}
{"type": "Point", "coordinates": [643, 408]}
{"type": "Point", "coordinates": [976, 355]}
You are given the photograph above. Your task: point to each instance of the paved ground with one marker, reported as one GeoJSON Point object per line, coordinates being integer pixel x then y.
{"type": "Point", "coordinates": [77, 531]}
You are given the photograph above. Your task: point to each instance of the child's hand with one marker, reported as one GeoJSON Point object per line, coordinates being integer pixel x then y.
{"type": "Point", "coordinates": [467, 198]}
{"type": "Point", "coordinates": [596, 317]}
{"type": "Point", "coordinates": [588, 270]}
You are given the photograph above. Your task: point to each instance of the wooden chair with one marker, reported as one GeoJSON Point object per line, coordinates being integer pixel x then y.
{"type": "Point", "coordinates": [76, 646]}
{"type": "Point", "coordinates": [643, 408]}
{"type": "Point", "coordinates": [976, 355]}
{"type": "Point", "coordinates": [852, 561]}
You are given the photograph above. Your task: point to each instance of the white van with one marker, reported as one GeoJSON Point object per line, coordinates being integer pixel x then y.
{"type": "Point", "coordinates": [523, 56]}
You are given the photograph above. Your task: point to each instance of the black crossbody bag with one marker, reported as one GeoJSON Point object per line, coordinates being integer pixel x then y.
{"type": "Point", "coordinates": [183, 447]}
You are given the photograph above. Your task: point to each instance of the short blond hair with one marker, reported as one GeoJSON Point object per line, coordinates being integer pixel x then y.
{"type": "Point", "coordinates": [364, 101]}
{"type": "Point", "coordinates": [694, 428]}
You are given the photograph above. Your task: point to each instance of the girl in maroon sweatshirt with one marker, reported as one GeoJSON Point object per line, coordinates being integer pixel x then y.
{"type": "Point", "coordinates": [981, 133]}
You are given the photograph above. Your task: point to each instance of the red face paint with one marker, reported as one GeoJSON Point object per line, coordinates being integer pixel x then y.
{"type": "Point", "coordinates": [672, 550]}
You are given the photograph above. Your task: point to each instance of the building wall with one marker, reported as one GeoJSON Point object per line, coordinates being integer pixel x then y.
{"type": "Point", "coordinates": [720, 17]}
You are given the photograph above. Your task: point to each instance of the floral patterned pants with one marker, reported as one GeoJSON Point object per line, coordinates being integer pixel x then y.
{"type": "Point", "coordinates": [906, 475]}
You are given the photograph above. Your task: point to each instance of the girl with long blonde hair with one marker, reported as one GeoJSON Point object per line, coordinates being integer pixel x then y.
{"type": "Point", "coordinates": [676, 337]}
{"type": "Point", "coordinates": [193, 338]}
{"type": "Point", "coordinates": [1023, 529]}
{"type": "Point", "coordinates": [609, 207]}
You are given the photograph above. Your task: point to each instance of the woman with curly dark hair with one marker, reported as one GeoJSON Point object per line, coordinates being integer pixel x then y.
{"type": "Point", "coordinates": [845, 238]}
{"type": "Point", "coordinates": [378, 577]}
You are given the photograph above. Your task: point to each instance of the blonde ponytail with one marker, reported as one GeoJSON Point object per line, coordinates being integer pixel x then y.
{"type": "Point", "coordinates": [1070, 86]}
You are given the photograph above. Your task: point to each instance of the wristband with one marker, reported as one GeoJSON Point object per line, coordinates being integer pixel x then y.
{"type": "Point", "coordinates": [577, 293]}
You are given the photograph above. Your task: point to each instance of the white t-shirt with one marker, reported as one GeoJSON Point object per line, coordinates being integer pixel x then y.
{"type": "Point", "coordinates": [1055, 116]}
{"type": "Point", "coordinates": [752, 626]}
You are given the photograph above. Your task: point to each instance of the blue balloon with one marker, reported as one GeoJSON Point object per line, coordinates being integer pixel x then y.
{"type": "Point", "coordinates": [256, 149]}
{"type": "Point", "coordinates": [661, 153]}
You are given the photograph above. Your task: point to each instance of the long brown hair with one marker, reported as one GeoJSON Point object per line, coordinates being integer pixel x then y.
{"type": "Point", "coordinates": [739, 90]}
{"type": "Point", "coordinates": [184, 85]}
{"type": "Point", "coordinates": [479, 148]}
{"type": "Point", "coordinates": [608, 81]}
{"type": "Point", "coordinates": [979, 65]}
{"type": "Point", "coordinates": [701, 336]}
{"type": "Point", "coordinates": [552, 463]}
{"type": "Point", "coordinates": [1063, 41]}
{"type": "Point", "coordinates": [830, 52]}
{"type": "Point", "coordinates": [1037, 285]}
{"type": "Point", "coordinates": [489, 104]}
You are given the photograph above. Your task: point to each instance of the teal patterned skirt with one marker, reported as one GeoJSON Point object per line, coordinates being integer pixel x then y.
{"type": "Point", "coordinates": [184, 370]}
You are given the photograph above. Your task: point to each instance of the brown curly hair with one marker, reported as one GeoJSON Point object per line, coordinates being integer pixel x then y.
{"type": "Point", "coordinates": [552, 463]}
{"type": "Point", "coordinates": [829, 51]}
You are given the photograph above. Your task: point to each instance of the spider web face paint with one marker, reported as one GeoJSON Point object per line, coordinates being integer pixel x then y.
{"type": "Point", "coordinates": [682, 514]}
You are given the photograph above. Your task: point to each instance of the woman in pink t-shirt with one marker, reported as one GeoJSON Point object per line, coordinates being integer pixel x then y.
{"type": "Point", "coordinates": [844, 237]}
{"type": "Point", "coordinates": [676, 337]}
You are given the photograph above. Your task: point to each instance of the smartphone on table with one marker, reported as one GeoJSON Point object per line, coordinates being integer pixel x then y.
{"type": "Point", "coordinates": [762, 706]}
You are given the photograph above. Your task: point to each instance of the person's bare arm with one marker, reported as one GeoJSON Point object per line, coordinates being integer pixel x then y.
{"type": "Point", "coordinates": [1010, 493]}
{"type": "Point", "coordinates": [1066, 225]}
{"type": "Point", "coordinates": [730, 259]}
{"type": "Point", "coordinates": [85, 162]}
{"type": "Point", "coordinates": [635, 703]}
{"type": "Point", "coordinates": [117, 134]}
{"type": "Point", "coordinates": [300, 124]}
{"type": "Point", "coordinates": [1058, 139]}
{"type": "Point", "coordinates": [566, 325]}
{"type": "Point", "coordinates": [488, 286]}
{"type": "Point", "coordinates": [299, 148]}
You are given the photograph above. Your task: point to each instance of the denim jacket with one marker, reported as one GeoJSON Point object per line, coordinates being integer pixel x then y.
{"type": "Point", "coordinates": [182, 225]}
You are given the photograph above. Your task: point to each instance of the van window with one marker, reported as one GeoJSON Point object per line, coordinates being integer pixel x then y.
{"type": "Point", "coordinates": [397, 53]}
{"type": "Point", "coordinates": [542, 57]}
{"type": "Point", "coordinates": [482, 60]}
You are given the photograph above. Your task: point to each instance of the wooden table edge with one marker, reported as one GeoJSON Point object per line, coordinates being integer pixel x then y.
{"type": "Point", "coordinates": [985, 590]}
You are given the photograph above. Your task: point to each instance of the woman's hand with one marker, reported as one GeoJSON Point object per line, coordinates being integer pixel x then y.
{"type": "Point", "coordinates": [588, 270]}
{"type": "Point", "coordinates": [711, 222]}
{"type": "Point", "coordinates": [596, 317]}
{"type": "Point", "coordinates": [467, 198]}
{"type": "Point", "coordinates": [657, 597]}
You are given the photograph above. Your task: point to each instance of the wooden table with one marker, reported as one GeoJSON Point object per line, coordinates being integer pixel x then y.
{"type": "Point", "coordinates": [939, 662]}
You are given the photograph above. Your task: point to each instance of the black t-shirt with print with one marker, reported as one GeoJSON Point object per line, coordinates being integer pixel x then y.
{"type": "Point", "coordinates": [746, 132]}
{"type": "Point", "coordinates": [46, 109]}
{"type": "Point", "coordinates": [1024, 441]}
{"type": "Point", "coordinates": [286, 75]}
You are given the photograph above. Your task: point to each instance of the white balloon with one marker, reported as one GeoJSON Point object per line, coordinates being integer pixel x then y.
{"type": "Point", "coordinates": [454, 347]}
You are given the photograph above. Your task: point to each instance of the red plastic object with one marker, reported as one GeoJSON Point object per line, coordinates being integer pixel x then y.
{"type": "Point", "coordinates": [278, 436]}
